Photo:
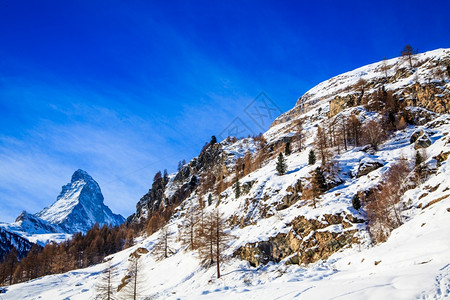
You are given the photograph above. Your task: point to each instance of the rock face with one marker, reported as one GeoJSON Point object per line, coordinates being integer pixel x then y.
{"type": "Point", "coordinates": [181, 186]}
{"type": "Point", "coordinates": [79, 206]}
{"type": "Point", "coordinates": [307, 241]}
{"type": "Point", "coordinates": [151, 201]}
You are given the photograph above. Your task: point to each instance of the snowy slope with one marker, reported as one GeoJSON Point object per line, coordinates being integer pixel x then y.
{"type": "Point", "coordinates": [399, 77]}
{"type": "Point", "coordinates": [413, 263]}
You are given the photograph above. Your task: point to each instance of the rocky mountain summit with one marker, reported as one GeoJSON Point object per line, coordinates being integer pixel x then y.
{"type": "Point", "coordinates": [79, 206]}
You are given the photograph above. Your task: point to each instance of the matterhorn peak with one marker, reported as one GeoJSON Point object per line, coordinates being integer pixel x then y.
{"type": "Point", "coordinates": [79, 206]}
{"type": "Point", "coordinates": [81, 175]}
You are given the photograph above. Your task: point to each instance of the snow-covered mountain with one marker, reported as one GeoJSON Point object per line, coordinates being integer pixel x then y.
{"type": "Point", "coordinates": [285, 245]}
{"type": "Point", "coordinates": [35, 230]}
{"type": "Point", "coordinates": [79, 206]}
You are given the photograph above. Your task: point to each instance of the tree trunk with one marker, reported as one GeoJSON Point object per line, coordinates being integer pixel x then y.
{"type": "Point", "coordinates": [135, 281]}
{"type": "Point", "coordinates": [218, 249]}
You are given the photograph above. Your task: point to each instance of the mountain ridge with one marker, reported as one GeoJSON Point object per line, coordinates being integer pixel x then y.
{"type": "Point", "coordinates": [288, 243]}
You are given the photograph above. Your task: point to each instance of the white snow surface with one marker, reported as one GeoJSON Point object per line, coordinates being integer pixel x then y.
{"type": "Point", "coordinates": [414, 263]}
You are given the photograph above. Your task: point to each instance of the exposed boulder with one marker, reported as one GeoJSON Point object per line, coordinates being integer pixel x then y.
{"type": "Point", "coordinates": [368, 165]}
{"type": "Point", "coordinates": [292, 197]}
{"type": "Point", "coordinates": [415, 136]}
{"type": "Point", "coordinates": [422, 142]}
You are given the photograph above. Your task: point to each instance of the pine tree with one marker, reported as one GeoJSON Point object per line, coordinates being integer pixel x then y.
{"type": "Point", "coordinates": [385, 68]}
{"type": "Point", "coordinates": [287, 148]}
{"type": "Point", "coordinates": [311, 157]}
{"type": "Point", "coordinates": [418, 168]}
{"type": "Point", "coordinates": [318, 185]}
{"type": "Point", "coordinates": [166, 176]}
{"type": "Point", "coordinates": [189, 230]}
{"type": "Point", "coordinates": [300, 135]}
{"type": "Point", "coordinates": [321, 144]}
{"type": "Point", "coordinates": [157, 176]}
{"type": "Point", "coordinates": [354, 128]}
{"type": "Point", "coordinates": [356, 203]}
{"type": "Point", "coordinates": [213, 140]}
{"type": "Point", "coordinates": [418, 159]}
{"type": "Point", "coordinates": [281, 165]}
{"type": "Point", "coordinates": [210, 199]}
{"type": "Point", "coordinates": [237, 189]}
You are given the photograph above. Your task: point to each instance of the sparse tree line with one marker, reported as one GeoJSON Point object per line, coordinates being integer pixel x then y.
{"type": "Point", "coordinates": [79, 252]}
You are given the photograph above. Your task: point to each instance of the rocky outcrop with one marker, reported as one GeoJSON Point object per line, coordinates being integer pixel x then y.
{"type": "Point", "coordinates": [420, 139]}
{"type": "Point", "coordinates": [415, 136]}
{"type": "Point", "coordinates": [441, 157]}
{"type": "Point", "coordinates": [418, 115]}
{"type": "Point", "coordinates": [368, 165]}
{"type": "Point", "coordinates": [422, 142]}
{"type": "Point", "coordinates": [184, 182]}
{"type": "Point", "coordinates": [292, 197]}
{"type": "Point", "coordinates": [341, 102]}
{"type": "Point", "coordinates": [151, 201]}
{"type": "Point", "coordinates": [308, 241]}
{"type": "Point", "coordinates": [434, 96]}
{"type": "Point", "coordinates": [407, 85]}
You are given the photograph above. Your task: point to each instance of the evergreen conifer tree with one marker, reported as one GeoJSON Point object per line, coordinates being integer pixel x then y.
{"type": "Point", "coordinates": [356, 203]}
{"type": "Point", "coordinates": [287, 148]}
{"type": "Point", "coordinates": [311, 158]}
{"type": "Point", "coordinates": [237, 189]}
{"type": "Point", "coordinates": [209, 199]}
{"type": "Point", "coordinates": [281, 164]}
{"type": "Point", "coordinates": [418, 160]}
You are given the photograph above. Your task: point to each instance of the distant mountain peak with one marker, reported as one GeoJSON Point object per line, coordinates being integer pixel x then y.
{"type": "Point", "coordinates": [79, 206]}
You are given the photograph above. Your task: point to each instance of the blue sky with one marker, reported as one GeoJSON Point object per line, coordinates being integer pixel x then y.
{"type": "Point", "coordinates": [122, 89]}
